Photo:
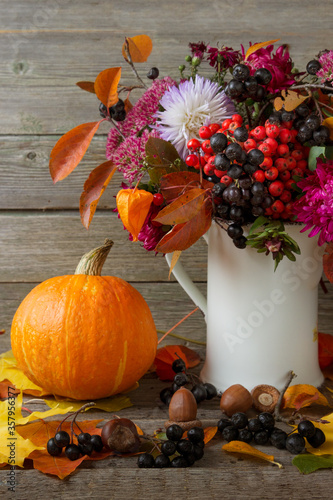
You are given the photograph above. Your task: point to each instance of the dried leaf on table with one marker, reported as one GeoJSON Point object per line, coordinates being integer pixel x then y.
{"type": "Point", "coordinates": [139, 47]}
{"type": "Point", "coordinates": [112, 404]}
{"type": "Point", "coordinates": [246, 449]}
{"type": "Point", "coordinates": [302, 395]}
{"type": "Point", "coordinates": [307, 463]}
{"type": "Point", "coordinates": [165, 356]}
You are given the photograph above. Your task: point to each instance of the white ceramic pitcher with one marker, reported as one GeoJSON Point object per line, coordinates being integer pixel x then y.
{"type": "Point", "coordinates": [260, 324]}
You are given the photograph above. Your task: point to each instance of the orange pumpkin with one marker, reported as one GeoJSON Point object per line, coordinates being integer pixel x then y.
{"type": "Point", "coordinates": [84, 336]}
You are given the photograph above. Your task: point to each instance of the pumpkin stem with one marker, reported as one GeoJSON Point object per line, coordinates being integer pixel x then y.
{"type": "Point", "coordinates": [92, 262]}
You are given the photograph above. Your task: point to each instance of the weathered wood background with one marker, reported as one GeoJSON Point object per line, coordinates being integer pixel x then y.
{"type": "Point", "coordinates": [45, 48]}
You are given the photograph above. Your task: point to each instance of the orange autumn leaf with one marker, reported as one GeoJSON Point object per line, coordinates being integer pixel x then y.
{"type": "Point", "coordinates": [93, 189]}
{"type": "Point", "coordinates": [133, 206]}
{"type": "Point", "coordinates": [246, 449]}
{"type": "Point", "coordinates": [106, 85]}
{"type": "Point", "coordinates": [325, 350]}
{"type": "Point", "coordinates": [183, 208]}
{"type": "Point", "coordinates": [88, 86]}
{"type": "Point", "coordinates": [209, 434]}
{"type": "Point", "coordinates": [328, 262]}
{"type": "Point", "coordinates": [165, 356]}
{"type": "Point", "coordinates": [128, 105]}
{"type": "Point", "coordinates": [182, 236]}
{"type": "Point", "coordinates": [174, 260]}
{"type": "Point", "coordinates": [289, 100]}
{"type": "Point", "coordinates": [302, 395]}
{"type": "Point", "coordinates": [176, 183]}
{"type": "Point", "coordinates": [258, 46]}
{"type": "Point", "coordinates": [7, 389]}
{"type": "Point", "coordinates": [41, 431]}
{"type": "Point", "coordinates": [70, 149]}
{"type": "Point", "coordinates": [139, 47]}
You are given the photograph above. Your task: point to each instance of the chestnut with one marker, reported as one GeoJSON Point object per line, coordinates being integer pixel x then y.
{"type": "Point", "coordinates": [120, 435]}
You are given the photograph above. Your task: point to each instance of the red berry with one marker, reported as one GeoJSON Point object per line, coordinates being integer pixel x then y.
{"type": "Point", "coordinates": [237, 118]}
{"type": "Point", "coordinates": [287, 124]}
{"type": "Point", "coordinates": [158, 199]}
{"type": "Point", "coordinates": [272, 142]}
{"type": "Point", "coordinates": [219, 173]}
{"type": "Point", "coordinates": [250, 144]}
{"type": "Point", "coordinates": [205, 146]}
{"type": "Point", "coordinates": [225, 124]}
{"type": "Point", "coordinates": [284, 175]}
{"type": "Point", "coordinates": [284, 135]}
{"type": "Point", "coordinates": [285, 196]}
{"type": "Point", "coordinates": [214, 127]}
{"type": "Point", "coordinates": [226, 180]}
{"type": "Point", "coordinates": [205, 132]}
{"type": "Point", "coordinates": [233, 126]}
{"type": "Point", "coordinates": [281, 164]}
{"type": "Point", "coordinates": [266, 149]}
{"type": "Point", "coordinates": [206, 157]}
{"type": "Point", "coordinates": [259, 133]}
{"type": "Point", "coordinates": [268, 211]}
{"type": "Point", "coordinates": [259, 175]}
{"type": "Point", "coordinates": [193, 144]}
{"type": "Point", "coordinates": [272, 131]}
{"type": "Point", "coordinates": [272, 173]}
{"type": "Point", "coordinates": [277, 206]}
{"type": "Point", "coordinates": [267, 163]}
{"type": "Point", "coordinates": [289, 184]}
{"type": "Point", "coordinates": [276, 188]}
{"type": "Point", "coordinates": [289, 206]}
{"type": "Point", "coordinates": [297, 171]}
{"type": "Point", "coordinates": [208, 169]}
{"type": "Point", "coordinates": [297, 154]}
{"type": "Point", "coordinates": [291, 163]}
{"type": "Point", "coordinates": [282, 150]}
{"type": "Point", "coordinates": [192, 160]}
{"type": "Point", "coordinates": [211, 160]}
{"type": "Point", "coordinates": [293, 134]}
{"type": "Point", "coordinates": [302, 164]}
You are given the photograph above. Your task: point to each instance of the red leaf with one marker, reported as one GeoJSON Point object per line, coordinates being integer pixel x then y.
{"type": "Point", "coordinates": [70, 149]}
{"type": "Point", "coordinates": [183, 209]}
{"type": "Point", "coordinates": [328, 262]}
{"type": "Point", "coordinates": [165, 356]}
{"type": "Point", "coordinates": [182, 236]}
{"type": "Point", "coordinates": [325, 350]}
{"type": "Point", "coordinates": [106, 85]}
{"type": "Point", "coordinates": [88, 86]}
{"type": "Point", "coordinates": [94, 187]}
{"type": "Point", "coordinates": [304, 399]}
{"type": "Point", "coordinates": [40, 432]}
{"type": "Point", "coordinates": [176, 183]}
{"type": "Point", "coordinates": [4, 386]}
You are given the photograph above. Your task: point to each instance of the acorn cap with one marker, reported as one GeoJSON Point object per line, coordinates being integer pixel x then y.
{"type": "Point", "coordinates": [265, 397]}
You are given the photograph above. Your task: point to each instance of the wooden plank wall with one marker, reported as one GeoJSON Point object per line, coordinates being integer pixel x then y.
{"type": "Point", "coordinates": [48, 46]}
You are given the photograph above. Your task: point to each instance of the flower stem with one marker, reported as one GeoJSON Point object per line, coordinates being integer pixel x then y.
{"type": "Point", "coordinates": [278, 417]}
{"type": "Point", "coordinates": [177, 324]}
{"type": "Point", "coordinates": [180, 337]}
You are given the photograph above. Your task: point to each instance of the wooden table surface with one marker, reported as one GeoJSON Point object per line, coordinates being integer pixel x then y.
{"type": "Point", "coordinates": [46, 47]}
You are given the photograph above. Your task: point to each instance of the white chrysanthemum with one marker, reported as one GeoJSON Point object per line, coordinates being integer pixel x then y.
{"type": "Point", "coordinates": [188, 107]}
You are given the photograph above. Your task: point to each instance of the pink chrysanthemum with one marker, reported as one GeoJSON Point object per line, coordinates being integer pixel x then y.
{"type": "Point", "coordinates": [315, 208]}
{"type": "Point", "coordinates": [279, 64]}
{"type": "Point", "coordinates": [326, 71]}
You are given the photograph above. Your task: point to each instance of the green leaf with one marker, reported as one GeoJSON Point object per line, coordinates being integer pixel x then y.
{"type": "Point", "coordinates": [315, 152]}
{"type": "Point", "coordinates": [307, 463]}
{"type": "Point", "coordinates": [289, 254]}
{"type": "Point", "coordinates": [329, 152]}
{"type": "Point", "coordinates": [260, 221]}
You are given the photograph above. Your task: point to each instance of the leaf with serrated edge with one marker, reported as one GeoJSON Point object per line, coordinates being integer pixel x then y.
{"type": "Point", "coordinates": [94, 187]}
{"type": "Point", "coordinates": [88, 86]}
{"type": "Point", "coordinates": [183, 208]}
{"type": "Point", "coordinates": [70, 149]}
{"type": "Point", "coordinates": [174, 260]}
{"type": "Point", "coordinates": [106, 85]}
{"type": "Point", "coordinates": [246, 449]}
{"type": "Point", "coordinates": [140, 47]}
{"type": "Point", "coordinates": [258, 46]}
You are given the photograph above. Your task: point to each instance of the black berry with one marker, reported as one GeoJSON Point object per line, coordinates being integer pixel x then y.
{"type": "Point", "coordinates": [218, 142]}
{"type": "Point", "coordinates": [84, 438]}
{"type": "Point", "coordinates": [230, 433]}
{"type": "Point", "coordinates": [267, 420]}
{"type": "Point", "coordinates": [278, 439]}
{"type": "Point", "coordinates": [72, 451]}
{"type": "Point", "coordinates": [196, 434]}
{"type": "Point", "coordinates": [146, 461]}
{"type": "Point", "coordinates": [161, 461]}
{"type": "Point", "coordinates": [179, 462]}
{"type": "Point", "coordinates": [306, 429]}
{"type": "Point", "coordinates": [263, 76]}
{"type": "Point", "coordinates": [52, 448]}
{"type": "Point", "coordinates": [241, 72]}
{"type": "Point", "coordinates": [223, 423]}
{"type": "Point", "coordinates": [62, 439]}
{"type": "Point", "coordinates": [198, 452]}
{"type": "Point", "coordinates": [174, 432]}
{"type": "Point", "coordinates": [245, 435]}
{"type": "Point", "coordinates": [239, 420]}
{"type": "Point", "coordinates": [318, 439]}
{"type": "Point", "coordinates": [254, 425]}
{"type": "Point", "coordinates": [166, 395]}
{"type": "Point", "coordinates": [241, 134]}
{"type": "Point", "coordinates": [313, 67]}
{"type": "Point", "coordinates": [153, 73]}
{"type": "Point", "coordinates": [168, 448]}
{"type": "Point", "coordinates": [295, 443]}
{"type": "Point", "coordinates": [261, 437]}
{"type": "Point", "coordinates": [185, 447]}
{"type": "Point", "coordinates": [97, 443]}
{"type": "Point", "coordinates": [86, 448]}
{"type": "Point", "coordinates": [178, 366]}
{"type": "Point", "coordinates": [180, 379]}
{"type": "Point", "coordinates": [211, 391]}
{"type": "Point", "coordinates": [199, 392]}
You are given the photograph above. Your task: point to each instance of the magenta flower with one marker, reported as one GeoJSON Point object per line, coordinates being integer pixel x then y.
{"type": "Point", "coordinates": [326, 71]}
{"type": "Point", "coordinates": [229, 57]}
{"type": "Point", "coordinates": [198, 49]}
{"type": "Point", "coordinates": [279, 64]}
{"type": "Point", "coordinates": [315, 207]}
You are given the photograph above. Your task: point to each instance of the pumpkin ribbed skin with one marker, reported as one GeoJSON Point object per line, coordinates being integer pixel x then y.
{"type": "Point", "coordinates": [84, 337]}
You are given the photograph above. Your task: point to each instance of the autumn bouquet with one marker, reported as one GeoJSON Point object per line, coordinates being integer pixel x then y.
{"type": "Point", "coordinates": [242, 137]}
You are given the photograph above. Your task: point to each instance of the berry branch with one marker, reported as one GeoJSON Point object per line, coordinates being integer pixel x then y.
{"type": "Point", "coordinates": [278, 417]}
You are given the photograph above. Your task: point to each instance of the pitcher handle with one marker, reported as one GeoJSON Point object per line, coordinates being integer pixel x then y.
{"type": "Point", "coordinates": [187, 284]}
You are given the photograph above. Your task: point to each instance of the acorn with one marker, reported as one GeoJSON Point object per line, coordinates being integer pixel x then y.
{"type": "Point", "coordinates": [183, 410]}
{"type": "Point", "coordinates": [120, 435]}
{"type": "Point", "coordinates": [265, 397]}
{"type": "Point", "coordinates": [235, 399]}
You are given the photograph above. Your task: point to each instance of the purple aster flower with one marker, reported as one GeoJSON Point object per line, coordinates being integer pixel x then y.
{"type": "Point", "coordinates": [228, 56]}
{"type": "Point", "coordinates": [279, 64]}
{"type": "Point", "coordinates": [315, 208]}
{"type": "Point", "coordinates": [188, 107]}
{"type": "Point", "coordinates": [326, 71]}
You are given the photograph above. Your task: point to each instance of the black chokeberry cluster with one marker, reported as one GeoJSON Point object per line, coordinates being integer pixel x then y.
{"type": "Point", "coordinates": [261, 430]}
{"type": "Point", "coordinates": [86, 444]}
{"type": "Point", "coordinates": [181, 378]}
{"type": "Point", "coordinates": [243, 86]}
{"type": "Point", "coordinates": [116, 112]}
{"type": "Point", "coordinates": [176, 451]}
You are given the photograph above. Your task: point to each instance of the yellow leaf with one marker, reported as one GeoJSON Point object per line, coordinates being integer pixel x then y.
{"type": "Point", "coordinates": [328, 122]}
{"type": "Point", "coordinates": [112, 404]}
{"type": "Point", "coordinates": [258, 46]}
{"type": "Point", "coordinates": [289, 100]}
{"type": "Point", "coordinates": [13, 448]}
{"type": "Point", "coordinates": [10, 371]}
{"type": "Point", "coordinates": [139, 47]}
{"type": "Point", "coordinates": [133, 207]}
{"type": "Point", "coordinates": [246, 449]}
{"type": "Point", "coordinates": [175, 256]}
{"type": "Point", "coordinates": [295, 394]}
